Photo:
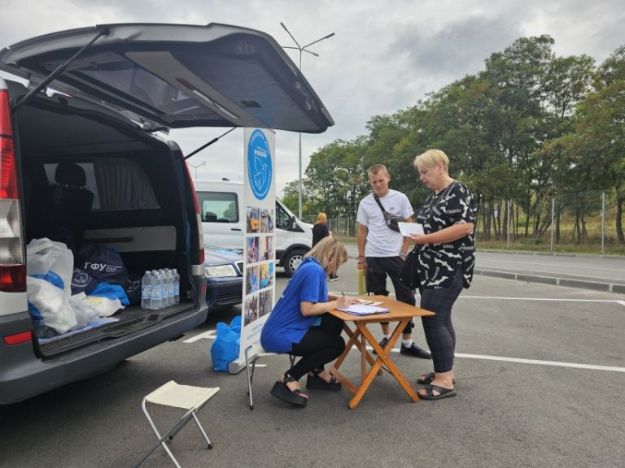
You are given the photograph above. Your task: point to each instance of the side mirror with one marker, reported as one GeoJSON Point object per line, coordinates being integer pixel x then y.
{"type": "Point", "coordinates": [293, 224]}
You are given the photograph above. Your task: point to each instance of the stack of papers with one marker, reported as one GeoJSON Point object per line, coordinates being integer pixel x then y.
{"type": "Point", "coordinates": [410, 228]}
{"type": "Point", "coordinates": [362, 309]}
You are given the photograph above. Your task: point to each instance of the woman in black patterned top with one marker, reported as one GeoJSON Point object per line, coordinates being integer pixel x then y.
{"type": "Point", "coordinates": [445, 264]}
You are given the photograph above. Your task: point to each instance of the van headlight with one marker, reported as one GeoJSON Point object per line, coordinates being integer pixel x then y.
{"type": "Point", "coordinates": [220, 271]}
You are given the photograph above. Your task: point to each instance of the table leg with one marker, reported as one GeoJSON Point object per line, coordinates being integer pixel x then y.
{"type": "Point", "coordinates": [383, 358]}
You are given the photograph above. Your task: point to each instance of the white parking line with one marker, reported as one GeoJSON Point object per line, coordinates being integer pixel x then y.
{"type": "Point", "coordinates": [541, 363]}
{"type": "Point", "coordinates": [541, 299]}
{"type": "Point", "coordinates": [209, 335]}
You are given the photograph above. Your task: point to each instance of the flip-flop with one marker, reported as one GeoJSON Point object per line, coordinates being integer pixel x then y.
{"type": "Point", "coordinates": [442, 392]}
{"type": "Point", "coordinates": [314, 382]}
{"type": "Point", "coordinates": [427, 379]}
{"type": "Point", "coordinates": [284, 393]}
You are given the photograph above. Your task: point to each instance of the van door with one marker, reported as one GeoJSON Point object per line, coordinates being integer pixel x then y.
{"type": "Point", "coordinates": [222, 218]}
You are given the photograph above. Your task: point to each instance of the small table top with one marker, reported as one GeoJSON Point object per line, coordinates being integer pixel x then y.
{"type": "Point", "coordinates": [397, 311]}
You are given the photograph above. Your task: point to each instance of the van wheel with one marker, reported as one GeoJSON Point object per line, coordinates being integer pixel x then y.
{"type": "Point", "coordinates": [292, 261]}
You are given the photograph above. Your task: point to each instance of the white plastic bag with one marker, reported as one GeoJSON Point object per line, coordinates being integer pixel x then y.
{"type": "Point", "coordinates": [84, 311]}
{"type": "Point", "coordinates": [44, 255]}
{"type": "Point", "coordinates": [52, 303]}
{"type": "Point", "coordinates": [105, 306]}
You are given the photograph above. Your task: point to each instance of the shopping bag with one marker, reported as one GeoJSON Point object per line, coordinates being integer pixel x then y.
{"type": "Point", "coordinates": [225, 349]}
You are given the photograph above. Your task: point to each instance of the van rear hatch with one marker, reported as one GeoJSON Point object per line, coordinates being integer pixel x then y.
{"type": "Point", "coordinates": [175, 76]}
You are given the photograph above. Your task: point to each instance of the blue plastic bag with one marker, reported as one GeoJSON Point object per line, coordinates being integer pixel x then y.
{"type": "Point", "coordinates": [225, 349]}
{"type": "Point", "coordinates": [110, 291]}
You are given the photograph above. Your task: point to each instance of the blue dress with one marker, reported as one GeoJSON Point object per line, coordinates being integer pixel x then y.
{"type": "Point", "coordinates": [286, 324]}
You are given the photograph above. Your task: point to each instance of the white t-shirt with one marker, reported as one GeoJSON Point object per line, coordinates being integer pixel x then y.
{"type": "Point", "coordinates": [382, 241]}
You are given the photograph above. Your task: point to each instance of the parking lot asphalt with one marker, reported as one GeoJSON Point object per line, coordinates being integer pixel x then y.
{"type": "Point", "coordinates": [540, 374]}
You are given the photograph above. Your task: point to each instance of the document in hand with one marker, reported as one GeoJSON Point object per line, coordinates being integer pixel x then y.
{"type": "Point", "coordinates": [362, 309]}
{"type": "Point", "coordinates": [410, 228]}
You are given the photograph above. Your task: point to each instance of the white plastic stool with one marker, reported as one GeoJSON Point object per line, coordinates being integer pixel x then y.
{"type": "Point", "coordinates": [186, 397]}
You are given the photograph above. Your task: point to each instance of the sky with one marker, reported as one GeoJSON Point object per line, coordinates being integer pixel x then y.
{"type": "Point", "coordinates": [384, 56]}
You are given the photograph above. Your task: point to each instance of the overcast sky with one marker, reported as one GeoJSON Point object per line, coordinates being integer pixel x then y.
{"type": "Point", "coordinates": [385, 56]}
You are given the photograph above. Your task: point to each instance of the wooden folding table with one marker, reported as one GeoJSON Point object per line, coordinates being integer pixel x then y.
{"type": "Point", "coordinates": [400, 313]}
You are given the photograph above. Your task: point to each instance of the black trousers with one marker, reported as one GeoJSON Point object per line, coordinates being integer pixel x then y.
{"type": "Point", "coordinates": [439, 331]}
{"type": "Point", "coordinates": [319, 346]}
{"type": "Point", "coordinates": [378, 268]}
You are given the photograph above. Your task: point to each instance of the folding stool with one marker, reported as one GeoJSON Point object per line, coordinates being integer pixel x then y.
{"type": "Point", "coordinates": [250, 367]}
{"type": "Point", "coordinates": [185, 397]}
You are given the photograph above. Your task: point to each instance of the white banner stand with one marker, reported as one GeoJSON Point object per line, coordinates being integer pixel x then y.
{"type": "Point", "coordinates": [259, 272]}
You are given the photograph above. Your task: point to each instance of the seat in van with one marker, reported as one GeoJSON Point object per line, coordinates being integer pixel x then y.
{"type": "Point", "coordinates": [70, 203]}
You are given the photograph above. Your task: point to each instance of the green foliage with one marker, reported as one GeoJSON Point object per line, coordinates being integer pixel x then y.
{"type": "Point", "coordinates": [527, 126]}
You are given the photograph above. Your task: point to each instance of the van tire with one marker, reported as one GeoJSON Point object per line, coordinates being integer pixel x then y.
{"type": "Point", "coordinates": [292, 260]}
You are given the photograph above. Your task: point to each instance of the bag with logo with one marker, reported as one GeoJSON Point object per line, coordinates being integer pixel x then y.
{"type": "Point", "coordinates": [390, 220]}
{"type": "Point", "coordinates": [103, 263]}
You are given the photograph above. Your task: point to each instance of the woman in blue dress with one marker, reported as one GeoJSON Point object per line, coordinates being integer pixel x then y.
{"type": "Point", "coordinates": [300, 325]}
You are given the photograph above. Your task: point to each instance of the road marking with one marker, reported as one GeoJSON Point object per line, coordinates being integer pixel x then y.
{"type": "Point", "coordinates": [622, 303]}
{"type": "Point", "coordinates": [541, 299]}
{"type": "Point", "coordinates": [209, 335]}
{"type": "Point", "coordinates": [528, 361]}
{"type": "Point", "coordinates": [542, 363]}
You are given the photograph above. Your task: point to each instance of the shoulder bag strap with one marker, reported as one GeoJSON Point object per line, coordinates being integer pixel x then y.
{"type": "Point", "coordinates": [377, 200]}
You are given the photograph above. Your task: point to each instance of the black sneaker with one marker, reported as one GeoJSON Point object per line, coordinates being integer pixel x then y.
{"type": "Point", "coordinates": [415, 351]}
{"type": "Point", "coordinates": [334, 278]}
{"type": "Point", "coordinates": [382, 344]}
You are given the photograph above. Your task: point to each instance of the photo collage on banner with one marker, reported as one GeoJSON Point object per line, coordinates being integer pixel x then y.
{"type": "Point", "coordinates": [260, 266]}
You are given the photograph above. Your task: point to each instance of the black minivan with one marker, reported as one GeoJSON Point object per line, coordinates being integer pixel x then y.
{"type": "Point", "coordinates": [97, 100]}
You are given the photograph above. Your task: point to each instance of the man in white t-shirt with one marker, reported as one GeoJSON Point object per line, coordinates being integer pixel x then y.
{"type": "Point", "coordinates": [382, 251]}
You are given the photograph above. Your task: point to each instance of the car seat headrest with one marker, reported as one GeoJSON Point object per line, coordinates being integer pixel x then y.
{"type": "Point", "coordinates": [69, 173]}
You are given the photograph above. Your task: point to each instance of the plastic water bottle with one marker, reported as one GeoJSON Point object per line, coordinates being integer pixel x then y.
{"type": "Point", "coordinates": [146, 290]}
{"type": "Point", "coordinates": [157, 291]}
{"type": "Point", "coordinates": [169, 285]}
{"type": "Point", "coordinates": [172, 286]}
{"type": "Point", "coordinates": [176, 287]}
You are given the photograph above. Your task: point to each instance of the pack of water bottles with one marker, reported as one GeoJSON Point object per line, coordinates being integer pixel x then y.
{"type": "Point", "coordinates": [160, 288]}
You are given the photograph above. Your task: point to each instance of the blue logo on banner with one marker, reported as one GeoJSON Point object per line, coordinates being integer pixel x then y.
{"type": "Point", "coordinates": [259, 170]}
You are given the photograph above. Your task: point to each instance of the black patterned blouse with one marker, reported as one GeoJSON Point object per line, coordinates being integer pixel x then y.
{"type": "Point", "coordinates": [438, 262]}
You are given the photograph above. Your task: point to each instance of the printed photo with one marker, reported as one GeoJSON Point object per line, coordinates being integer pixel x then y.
{"type": "Point", "coordinates": [251, 280]}
{"type": "Point", "coordinates": [265, 303]}
{"type": "Point", "coordinates": [266, 275]}
{"type": "Point", "coordinates": [266, 248]}
{"type": "Point", "coordinates": [251, 247]}
{"type": "Point", "coordinates": [251, 310]}
{"type": "Point", "coordinates": [266, 220]}
{"type": "Point", "coordinates": [253, 219]}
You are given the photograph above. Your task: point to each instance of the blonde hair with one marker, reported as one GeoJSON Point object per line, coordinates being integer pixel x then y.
{"type": "Point", "coordinates": [431, 158]}
{"type": "Point", "coordinates": [321, 218]}
{"type": "Point", "coordinates": [329, 252]}
{"type": "Point", "coordinates": [377, 168]}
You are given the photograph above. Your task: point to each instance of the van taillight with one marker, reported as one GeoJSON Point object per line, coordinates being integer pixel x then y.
{"type": "Point", "coordinates": [12, 265]}
{"type": "Point", "coordinates": [198, 215]}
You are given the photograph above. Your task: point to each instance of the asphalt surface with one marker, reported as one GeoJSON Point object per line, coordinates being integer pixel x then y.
{"type": "Point", "coordinates": [540, 374]}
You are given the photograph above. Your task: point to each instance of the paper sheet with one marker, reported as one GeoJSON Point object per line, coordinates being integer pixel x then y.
{"type": "Point", "coordinates": [410, 228]}
{"type": "Point", "coordinates": [362, 309]}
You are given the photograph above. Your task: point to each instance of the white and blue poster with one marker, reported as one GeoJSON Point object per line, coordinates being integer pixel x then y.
{"type": "Point", "coordinates": [259, 272]}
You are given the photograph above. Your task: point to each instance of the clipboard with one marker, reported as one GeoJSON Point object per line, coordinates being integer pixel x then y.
{"type": "Point", "coordinates": [363, 309]}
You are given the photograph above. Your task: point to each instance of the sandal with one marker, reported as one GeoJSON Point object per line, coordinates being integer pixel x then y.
{"type": "Point", "coordinates": [442, 392]}
{"type": "Point", "coordinates": [281, 391]}
{"type": "Point", "coordinates": [427, 379]}
{"type": "Point", "coordinates": [314, 382]}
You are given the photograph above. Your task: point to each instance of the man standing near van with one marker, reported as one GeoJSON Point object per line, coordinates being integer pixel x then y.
{"type": "Point", "coordinates": [382, 251]}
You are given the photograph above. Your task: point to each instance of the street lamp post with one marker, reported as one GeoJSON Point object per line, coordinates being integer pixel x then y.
{"type": "Point", "coordinates": [302, 49]}
{"type": "Point", "coordinates": [195, 166]}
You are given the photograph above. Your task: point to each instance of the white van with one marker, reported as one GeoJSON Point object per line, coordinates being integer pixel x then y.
{"type": "Point", "coordinates": [223, 222]}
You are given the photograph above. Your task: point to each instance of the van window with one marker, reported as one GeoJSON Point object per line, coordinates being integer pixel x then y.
{"type": "Point", "coordinates": [283, 219]}
{"type": "Point", "coordinates": [219, 207]}
{"type": "Point", "coordinates": [117, 185]}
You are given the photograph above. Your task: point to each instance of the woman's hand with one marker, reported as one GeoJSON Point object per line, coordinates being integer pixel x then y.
{"type": "Point", "coordinates": [345, 301]}
{"type": "Point", "coordinates": [419, 239]}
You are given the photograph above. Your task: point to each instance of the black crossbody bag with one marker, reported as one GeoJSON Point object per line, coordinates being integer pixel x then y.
{"type": "Point", "coordinates": [390, 220]}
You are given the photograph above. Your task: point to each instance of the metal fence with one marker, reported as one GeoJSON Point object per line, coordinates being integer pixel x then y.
{"type": "Point", "coordinates": [564, 221]}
